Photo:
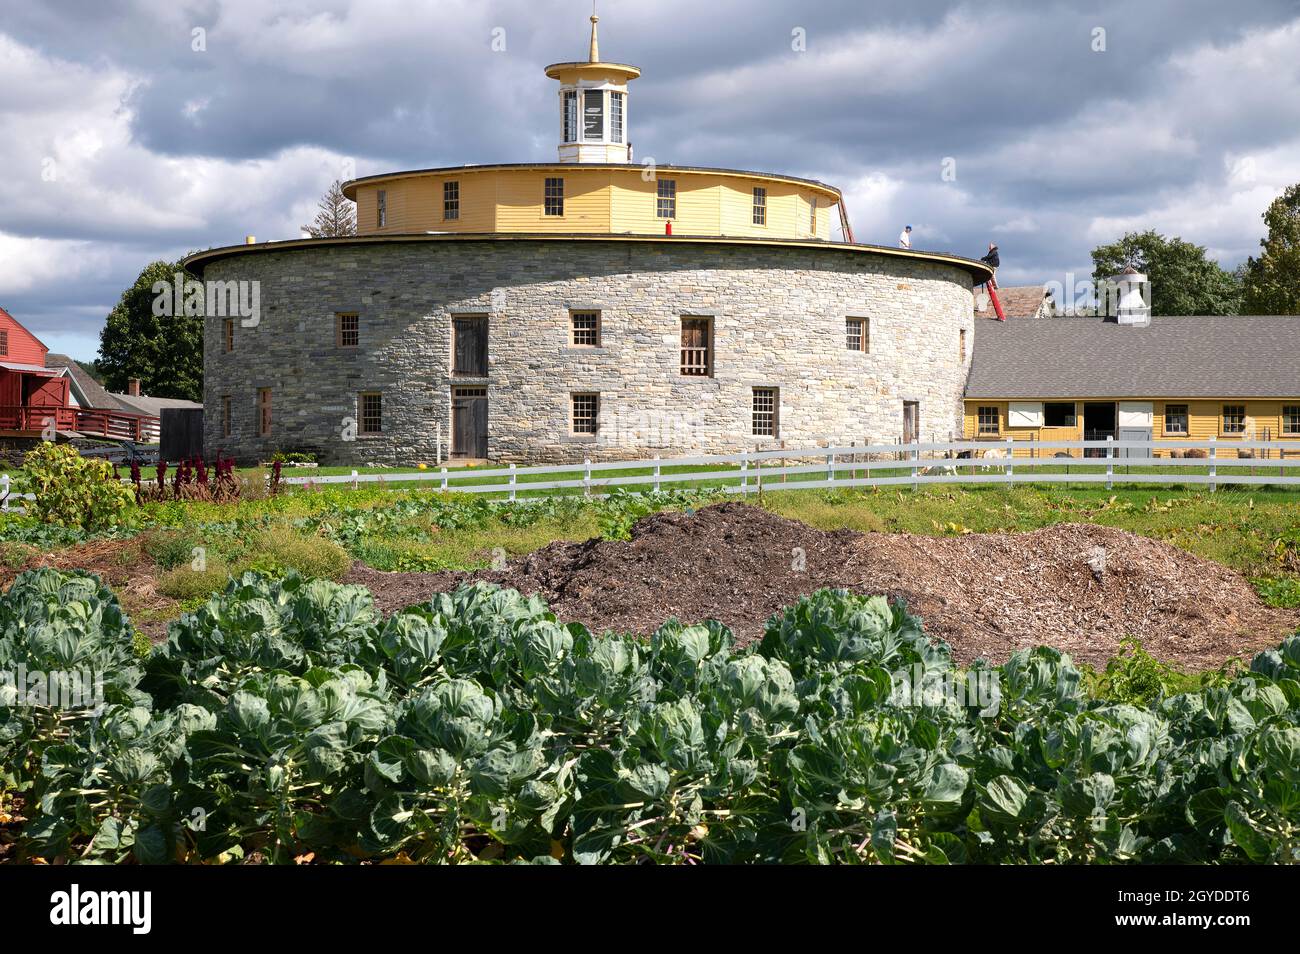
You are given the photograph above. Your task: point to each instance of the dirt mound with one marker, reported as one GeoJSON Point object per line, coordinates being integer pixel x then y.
{"type": "Point", "coordinates": [1080, 588]}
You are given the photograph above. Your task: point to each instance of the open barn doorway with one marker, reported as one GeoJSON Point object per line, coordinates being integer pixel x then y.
{"type": "Point", "coordinates": [1099, 420]}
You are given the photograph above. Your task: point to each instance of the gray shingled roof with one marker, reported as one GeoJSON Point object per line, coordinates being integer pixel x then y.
{"type": "Point", "coordinates": [1256, 356]}
{"type": "Point", "coordinates": [95, 392]}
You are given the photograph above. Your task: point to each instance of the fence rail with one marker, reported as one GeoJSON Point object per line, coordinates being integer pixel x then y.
{"type": "Point", "coordinates": [880, 465]}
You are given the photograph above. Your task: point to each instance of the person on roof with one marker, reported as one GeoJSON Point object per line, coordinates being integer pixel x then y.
{"type": "Point", "coordinates": [905, 238]}
{"type": "Point", "coordinates": [991, 259]}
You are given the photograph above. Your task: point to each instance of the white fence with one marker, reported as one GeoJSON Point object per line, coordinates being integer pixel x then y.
{"type": "Point", "coordinates": [7, 496]}
{"type": "Point", "coordinates": [879, 465]}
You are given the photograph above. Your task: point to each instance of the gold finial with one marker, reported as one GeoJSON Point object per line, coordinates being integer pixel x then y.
{"type": "Point", "coordinates": [594, 55]}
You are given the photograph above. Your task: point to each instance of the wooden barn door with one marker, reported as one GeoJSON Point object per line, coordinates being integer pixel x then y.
{"type": "Point", "coordinates": [469, 423]}
{"type": "Point", "coordinates": [470, 347]}
{"type": "Point", "coordinates": [911, 422]}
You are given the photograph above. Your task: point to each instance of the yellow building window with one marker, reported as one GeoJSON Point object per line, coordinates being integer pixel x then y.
{"type": "Point", "coordinates": [666, 206]}
{"type": "Point", "coordinates": [1234, 419]}
{"type": "Point", "coordinates": [381, 208]}
{"type": "Point", "coordinates": [554, 196]}
{"type": "Point", "coordinates": [990, 421]}
{"type": "Point", "coordinates": [760, 207]}
{"type": "Point", "coordinates": [1291, 420]}
{"type": "Point", "coordinates": [451, 200]}
{"type": "Point", "coordinates": [1176, 419]}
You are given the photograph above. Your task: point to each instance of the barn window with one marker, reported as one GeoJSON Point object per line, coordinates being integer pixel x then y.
{"type": "Point", "coordinates": [1291, 419]}
{"type": "Point", "coordinates": [765, 412]}
{"type": "Point", "coordinates": [4, 341]}
{"type": "Point", "coordinates": [812, 215]}
{"type": "Point", "coordinates": [593, 115]}
{"type": "Point", "coordinates": [616, 117]}
{"type": "Point", "coordinates": [585, 414]}
{"type": "Point", "coordinates": [961, 346]}
{"type": "Point", "coordinates": [697, 341]}
{"type": "Point", "coordinates": [451, 200]}
{"type": "Point", "coordinates": [857, 336]}
{"type": "Point", "coordinates": [264, 412]}
{"type": "Point", "coordinates": [1059, 414]}
{"type": "Point", "coordinates": [470, 346]}
{"type": "Point", "coordinates": [585, 329]}
{"type": "Point", "coordinates": [666, 207]}
{"type": "Point", "coordinates": [225, 415]}
{"type": "Point", "coordinates": [227, 335]}
{"type": "Point", "coordinates": [760, 207]}
{"type": "Point", "coordinates": [381, 208]}
{"type": "Point", "coordinates": [1175, 418]}
{"type": "Point", "coordinates": [1234, 418]}
{"type": "Point", "coordinates": [554, 198]}
{"type": "Point", "coordinates": [347, 329]}
{"type": "Point", "coordinates": [370, 412]}
{"type": "Point", "coordinates": [570, 115]}
{"type": "Point", "coordinates": [990, 421]}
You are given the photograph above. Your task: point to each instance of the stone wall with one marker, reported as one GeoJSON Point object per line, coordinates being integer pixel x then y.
{"type": "Point", "coordinates": [779, 321]}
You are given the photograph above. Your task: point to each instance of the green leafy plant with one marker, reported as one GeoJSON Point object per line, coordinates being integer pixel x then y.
{"type": "Point", "coordinates": [74, 491]}
{"type": "Point", "coordinates": [295, 722]}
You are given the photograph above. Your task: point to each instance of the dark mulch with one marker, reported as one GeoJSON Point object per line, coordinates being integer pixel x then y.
{"type": "Point", "coordinates": [1080, 588]}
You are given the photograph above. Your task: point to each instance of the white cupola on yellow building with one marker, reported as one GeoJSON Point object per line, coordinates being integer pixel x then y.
{"type": "Point", "coordinates": [593, 107]}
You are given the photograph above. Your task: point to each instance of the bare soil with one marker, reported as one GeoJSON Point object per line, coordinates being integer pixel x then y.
{"type": "Point", "coordinates": [1077, 587]}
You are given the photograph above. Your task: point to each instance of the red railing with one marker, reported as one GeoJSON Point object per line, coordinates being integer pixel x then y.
{"type": "Point", "coordinates": [118, 425]}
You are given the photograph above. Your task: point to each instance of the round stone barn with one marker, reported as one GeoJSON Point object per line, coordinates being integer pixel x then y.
{"type": "Point", "coordinates": [596, 307]}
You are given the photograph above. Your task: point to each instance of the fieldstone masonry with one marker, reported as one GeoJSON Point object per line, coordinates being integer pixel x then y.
{"type": "Point", "coordinates": [779, 321]}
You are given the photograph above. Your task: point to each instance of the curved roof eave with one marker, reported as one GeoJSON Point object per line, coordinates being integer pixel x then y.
{"type": "Point", "coordinates": [978, 271]}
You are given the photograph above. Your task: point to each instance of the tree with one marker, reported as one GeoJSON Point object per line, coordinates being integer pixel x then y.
{"type": "Point", "coordinates": [1183, 280]}
{"type": "Point", "coordinates": [165, 351]}
{"type": "Point", "coordinates": [1273, 280]}
{"type": "Point", "coordinates": [337, 214]}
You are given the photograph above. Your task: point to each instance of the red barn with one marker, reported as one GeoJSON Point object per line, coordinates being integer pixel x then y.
{"type": "Point", "coordinates": [34, 395]}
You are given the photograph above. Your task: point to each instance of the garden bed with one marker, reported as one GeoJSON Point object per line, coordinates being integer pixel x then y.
{"type": "Point", "coordinates": [1079, 588]}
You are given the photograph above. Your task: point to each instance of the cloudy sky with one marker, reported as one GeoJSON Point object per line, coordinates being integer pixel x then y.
{"type": "Point", "coordinates": [1066, 124]}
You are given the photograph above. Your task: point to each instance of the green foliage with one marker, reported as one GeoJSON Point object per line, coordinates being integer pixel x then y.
{"type": "Point", "coordinates": [164, 351]}
{"type": "Point", "coordinates": [169, 548]}
{"type": "Point", "coordinates": [186, 583]}
{"type": "Point", "coordinates": [1272, 281]}
{"type": "Point", "coordinates": [1183, 280]}
{"type": "Point", "coordinates": [289, 717]}
{"type": "Point", "coordinates": [75, 491]}
{"type": "Point", "coordinates": [1135, 677]}
{"type": "Point", "coordinates": [1279, 591]}
{"type": "Point", "coordinates": [280, 549]}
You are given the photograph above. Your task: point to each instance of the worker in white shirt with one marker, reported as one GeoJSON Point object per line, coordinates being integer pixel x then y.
{"type": "Point", "coordinates": [905, 238]}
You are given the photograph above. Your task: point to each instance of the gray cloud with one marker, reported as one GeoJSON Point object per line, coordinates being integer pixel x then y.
{"type": "Point", "coordinates": [1188, 122]}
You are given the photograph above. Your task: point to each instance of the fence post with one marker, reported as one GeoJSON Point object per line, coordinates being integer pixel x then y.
{"type": "Point", "coordinates": [1214, 468]}
{"type": "Point", "coordinates": [444, 480]}
{"type": "Point", "coordinates": [1011, 456]}
{"type": "Point", "coordinates": [744, 472]}
{"type": "Point", "coordinates": [1110, 460]}
{"type": "Point", "coordinates": [586, 477]}
{"type": "Point", "coordinates": [916, 456]}
{"type": "Point", "coordinates": [656, 473]}
{"type": "Point", "coordinates": [512, 481]}
{"type": "Point", "coordinates": [354, 480]}
{"type": "Point", "coordinates": [4, 491]}
{"type": "Point", "coordinates": [830, 467]}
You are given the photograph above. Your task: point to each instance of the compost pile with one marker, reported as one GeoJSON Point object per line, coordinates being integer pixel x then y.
{"type": "Point", "coordinates": [1079, 588]}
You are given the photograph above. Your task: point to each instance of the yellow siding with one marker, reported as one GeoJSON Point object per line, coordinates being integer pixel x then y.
{"type": "Point", "coordinates": [1205, 420]}
{"type": "Point", "coordinates": [596, 200]}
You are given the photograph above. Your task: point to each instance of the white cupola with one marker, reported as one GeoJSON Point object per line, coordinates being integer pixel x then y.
{"type": "Point", "coordinates": [593, 107]}
{"type": "Point", "coordinates": [1132, 291]}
